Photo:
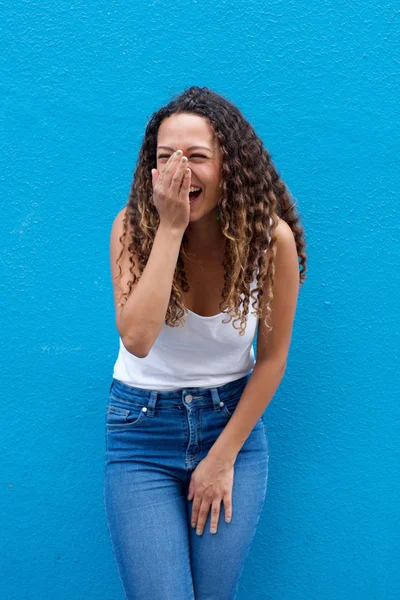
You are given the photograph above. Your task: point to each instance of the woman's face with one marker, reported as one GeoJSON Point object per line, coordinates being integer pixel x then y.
{"type": "Point", "coordinates": [181, 132]}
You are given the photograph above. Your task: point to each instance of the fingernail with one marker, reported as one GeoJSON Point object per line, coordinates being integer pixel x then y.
{"type": "Point", "coordinates": [198, 531]}
{"type": "Point", "coordinates": [178, 152]}
{"type": "Point", "coordinates": [228, 519]}
{"type": "Point", "coordinates": [193, 525]}
{"type": "Point", "coordinates": [213, 530]}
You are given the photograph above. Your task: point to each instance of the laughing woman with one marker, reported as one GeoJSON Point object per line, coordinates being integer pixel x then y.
{"type": "Point", "coordinates": [207, 252]}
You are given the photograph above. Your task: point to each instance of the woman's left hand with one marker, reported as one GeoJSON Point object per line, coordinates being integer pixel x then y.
{"type": "Point", "coordinates": [211, 483]}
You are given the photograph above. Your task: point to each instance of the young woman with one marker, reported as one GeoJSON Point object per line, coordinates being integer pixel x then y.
{"type": "Point", "coordinates": [205, 255]}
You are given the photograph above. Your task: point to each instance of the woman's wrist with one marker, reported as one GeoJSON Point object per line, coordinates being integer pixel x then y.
{"type": "Point", "coordinates": [226, 456]}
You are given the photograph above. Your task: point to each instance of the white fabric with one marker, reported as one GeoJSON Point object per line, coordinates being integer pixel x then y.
{"type": "Point", "coordinates": [205, 352]}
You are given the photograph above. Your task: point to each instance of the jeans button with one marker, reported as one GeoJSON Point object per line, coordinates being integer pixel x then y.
{"type": "Point", "coordinates": [189, 398]}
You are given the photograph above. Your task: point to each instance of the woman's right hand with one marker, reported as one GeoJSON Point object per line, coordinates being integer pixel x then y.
{"type": "Point", "coordinates": [171, 193]}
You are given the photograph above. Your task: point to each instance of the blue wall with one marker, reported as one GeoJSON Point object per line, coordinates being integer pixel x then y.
{"type": "Point", "coordinates": [320, 83]}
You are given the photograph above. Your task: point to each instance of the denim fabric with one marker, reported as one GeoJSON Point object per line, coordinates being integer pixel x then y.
{"type": "Point", "coordinates": [154, 441]}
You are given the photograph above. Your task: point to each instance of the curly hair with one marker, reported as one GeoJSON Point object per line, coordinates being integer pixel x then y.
{"type": "Point", "coordinates": [251, 193]}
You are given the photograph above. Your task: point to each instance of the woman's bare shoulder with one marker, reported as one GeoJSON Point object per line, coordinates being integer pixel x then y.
{"type": "Point", "coordinates": [119, 252]}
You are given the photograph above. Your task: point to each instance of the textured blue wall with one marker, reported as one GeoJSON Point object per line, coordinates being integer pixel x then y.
{"type": "Point", "coordinates": [320, 83]}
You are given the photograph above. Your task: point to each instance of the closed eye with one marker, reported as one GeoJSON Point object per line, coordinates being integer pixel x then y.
{"type": "Point", "coordinates": [193, 156]}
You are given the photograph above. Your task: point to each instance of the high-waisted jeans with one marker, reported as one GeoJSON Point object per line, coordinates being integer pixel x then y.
{"type": "Point", "coordinates": [154, 441]}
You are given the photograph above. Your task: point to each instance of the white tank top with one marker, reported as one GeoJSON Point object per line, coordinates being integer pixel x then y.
{"type": "Point", "coordinates": [205, 352]}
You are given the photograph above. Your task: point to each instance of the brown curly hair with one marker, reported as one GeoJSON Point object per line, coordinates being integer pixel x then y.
{"type": "Point", "coordinates": [251, 193]}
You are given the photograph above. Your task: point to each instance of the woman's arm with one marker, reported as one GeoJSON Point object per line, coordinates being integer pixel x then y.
{"type": "Point", "coordinates": [140, 320]}
{"type": "Point", "coordinates": [272, 350]}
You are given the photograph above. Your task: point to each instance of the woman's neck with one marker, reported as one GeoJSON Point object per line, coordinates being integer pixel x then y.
{"type": "Point", "coordinates": [204, 242]}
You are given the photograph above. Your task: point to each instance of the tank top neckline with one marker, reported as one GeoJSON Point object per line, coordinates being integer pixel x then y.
{"type": "Point", "coordinates": [211, 316]}
{"type": "Point", "coordinates": [205, 317]}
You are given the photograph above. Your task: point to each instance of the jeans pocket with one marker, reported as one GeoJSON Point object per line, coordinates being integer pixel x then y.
{"type": "Point", "coordinates": [118, 417]}
{"type": "Point", "coordinates": [229, 407]}
{"type": "Point", "coordinates": [231, 401]}
{"type": "Point", "coordinates": [229, 411]}
{"type": "Point", "coordinates": [230, 404]}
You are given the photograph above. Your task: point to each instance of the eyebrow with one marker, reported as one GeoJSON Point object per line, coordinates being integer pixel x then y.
{"type": "Point", "coordinates": [191, 148]}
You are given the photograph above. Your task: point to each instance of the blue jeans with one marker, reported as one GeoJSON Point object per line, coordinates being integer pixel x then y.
{"type": "Point", "coordinates": [154, 441]}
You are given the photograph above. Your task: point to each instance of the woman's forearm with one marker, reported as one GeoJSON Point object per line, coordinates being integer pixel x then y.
{"type": "Point", "coordinates": [259, 391]}
{"type": "Point", "coordinates": [144, 313]}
